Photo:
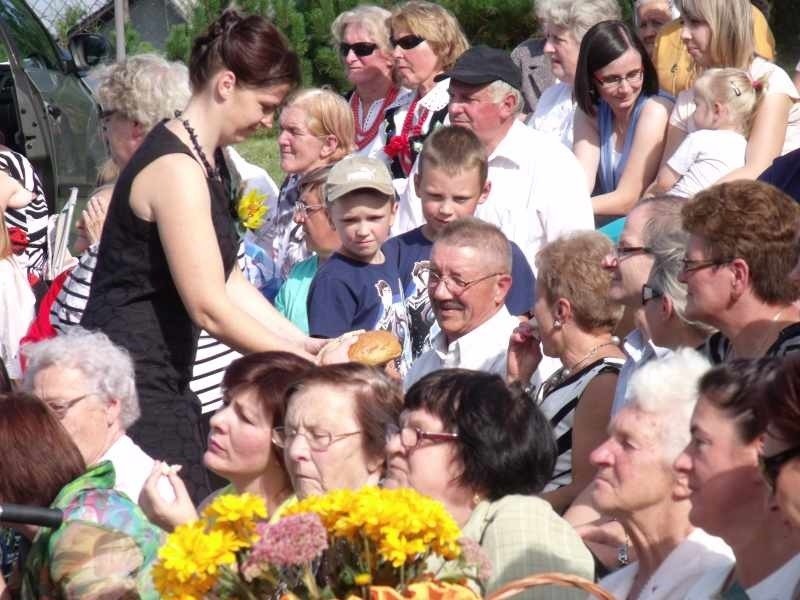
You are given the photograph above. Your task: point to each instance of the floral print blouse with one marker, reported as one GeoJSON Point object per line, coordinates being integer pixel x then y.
{"type": "Point", "coordinates": [105, 548]}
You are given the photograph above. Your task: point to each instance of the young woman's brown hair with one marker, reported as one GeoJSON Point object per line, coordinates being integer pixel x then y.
{"type": "Point", "coordinates": [249, 46]}
{"type": "Point", "coordinates": [39, 457]}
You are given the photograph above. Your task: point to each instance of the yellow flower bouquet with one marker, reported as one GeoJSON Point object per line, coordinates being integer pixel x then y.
{"type": "Point", "coordinates": [370, 543]}
{"type": "Point", "coordinates": [252, 209]}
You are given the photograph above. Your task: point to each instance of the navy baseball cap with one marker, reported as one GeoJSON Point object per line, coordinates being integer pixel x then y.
{"type": "Point", "coordinates": [481, 65]}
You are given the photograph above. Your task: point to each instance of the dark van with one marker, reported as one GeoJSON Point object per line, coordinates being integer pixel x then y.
{"type": "Point", "coordinates": [47, 112]}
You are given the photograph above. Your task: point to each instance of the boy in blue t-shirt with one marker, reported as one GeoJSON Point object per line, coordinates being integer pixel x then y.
{"type": "Point", "coordinates": [359, 286]}
{"type": "Point", "coordinates": [451, 182]}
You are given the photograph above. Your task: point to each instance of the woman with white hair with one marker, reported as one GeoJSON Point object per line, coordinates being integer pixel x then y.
{"type": "Point", "coordinates": [650, 16]}
{"type": "Point", "coordinates": [564, 22]}
{"type": "Point", "coordinates": [88, 382]}
{"type": "Point", "coordinates": [361, 39]}
{"type": "Point", "coordinates": [664, 297]}
{"type": "Point", "coordinates": [637, 485]}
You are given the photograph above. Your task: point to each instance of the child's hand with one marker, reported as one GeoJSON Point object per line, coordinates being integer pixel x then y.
{"type": "Point", "coordinates": [12, 193]}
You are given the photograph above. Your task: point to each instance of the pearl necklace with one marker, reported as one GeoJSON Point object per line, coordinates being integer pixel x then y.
{"type": "Point", "coordinates": [566, 371]}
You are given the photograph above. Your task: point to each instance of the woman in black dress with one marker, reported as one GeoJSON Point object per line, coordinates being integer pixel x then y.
{"type": "Point", "coordinates": [167, 252]}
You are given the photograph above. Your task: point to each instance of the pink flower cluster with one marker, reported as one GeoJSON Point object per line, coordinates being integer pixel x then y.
{"type": "Point", "coordinates": [292, 541]}
{"type": "Point", "coordinates": [473, 554]}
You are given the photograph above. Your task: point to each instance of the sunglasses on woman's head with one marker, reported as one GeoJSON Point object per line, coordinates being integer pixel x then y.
{"type": "Point", "coordinates": [407, 42]}
{"type": "Point", "coordinates": [360, 49]}
{"type": "Point", "coordinates": [771, 465]}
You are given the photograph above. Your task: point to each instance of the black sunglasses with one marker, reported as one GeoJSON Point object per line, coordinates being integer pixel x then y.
{"type": "Point", "coordinates": [649, 293]}
{"type": "Point", "coordinates": [361, 49]}
{"type": "Point", "coordinates": [771, 465]}
{"type": "Point", "coordinates": [407, 42]}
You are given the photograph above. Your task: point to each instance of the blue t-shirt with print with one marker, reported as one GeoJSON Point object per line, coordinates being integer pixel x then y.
{"type": "Point", "coordinates": [348, 294]}
{"type": "Point", "coordinates": [413, 252]}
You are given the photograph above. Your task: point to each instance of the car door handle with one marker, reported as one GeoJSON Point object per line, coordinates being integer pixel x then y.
{"type": "Point", "coordinates": [54, 111]}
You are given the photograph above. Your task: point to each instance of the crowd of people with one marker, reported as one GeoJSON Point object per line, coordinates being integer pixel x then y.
{"type": "Point", "coordinates": [587, 252]}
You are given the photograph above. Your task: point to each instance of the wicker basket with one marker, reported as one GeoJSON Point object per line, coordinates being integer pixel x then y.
{"type": "Point", "coordinates": [560, 579]}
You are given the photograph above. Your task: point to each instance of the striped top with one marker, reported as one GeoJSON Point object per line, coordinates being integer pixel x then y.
{"type": "Point", "coordinates": [718, 348]}
{"type": "Point", "coordinates": [32, 219]}
{"type": "Point", "coordinates": [558, 401]}
{"type": "Point", "coordinates": [212, 357]}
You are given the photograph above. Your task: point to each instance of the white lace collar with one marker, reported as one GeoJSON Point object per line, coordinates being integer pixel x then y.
{"type": "Point", "coordinates": [438, 97]}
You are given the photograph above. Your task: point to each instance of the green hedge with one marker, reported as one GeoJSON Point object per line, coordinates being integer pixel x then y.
{"type": "Point", "coordinates": [498, 23]}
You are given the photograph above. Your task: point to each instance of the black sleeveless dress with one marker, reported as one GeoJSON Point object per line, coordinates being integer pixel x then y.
{"type": "Point", "coordinates": [134, 301]}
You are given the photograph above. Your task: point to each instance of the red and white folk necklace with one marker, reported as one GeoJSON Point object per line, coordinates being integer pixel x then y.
{"type": "Point", "coordinates": [399, 146]}
{"type": "Point", "coordinates": [364, 136]}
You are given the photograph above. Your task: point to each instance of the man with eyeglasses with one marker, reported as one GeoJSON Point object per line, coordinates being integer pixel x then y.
{"type": "Point", "coordinates": [468, 279]}
{"type": "Point", "coordinates": [630, 264]}
{"type": "Point", "coordinates": [742, 248]}
{"type": "Point", "coordinates": [538, 189]}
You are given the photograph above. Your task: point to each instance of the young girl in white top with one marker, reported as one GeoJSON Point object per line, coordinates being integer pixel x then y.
{"type": "Point", "coordinates": [726, 101]}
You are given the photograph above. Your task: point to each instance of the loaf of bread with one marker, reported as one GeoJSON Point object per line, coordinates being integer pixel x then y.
{"type": "Point", "coordinates": [375, 348]}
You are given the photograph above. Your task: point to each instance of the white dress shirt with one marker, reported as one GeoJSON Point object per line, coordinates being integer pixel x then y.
{"type": "Point", "coordinates": [538, 192]}
{"type": "Point", "coordinates": [485, 348]}
{"type": "Point", "coordinates": [132, 467]}
{"type": "Point", "coordinates": [638, 351]}
{"type": "Point", "coordinates": [681, 569]}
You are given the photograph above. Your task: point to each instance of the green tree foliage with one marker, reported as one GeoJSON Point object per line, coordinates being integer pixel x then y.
{"type": "Point", "coordinates": [497, 23]}
{"type": "Point", "coordinates": [134, 44]}
{"type": "Point", "coordinates": [73, 14]}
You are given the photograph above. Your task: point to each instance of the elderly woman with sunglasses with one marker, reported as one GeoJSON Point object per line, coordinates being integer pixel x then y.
{"type": "Point", "coordinates": [664, 298]}
{"type": "Point", "coordinates": [779, 410]}
{"type": "Point", "coordinates": [729, 495]}
{"type": "Point", "coordinates": [486, 461]}
{"type": "Point", "coordinates": [361, 36]}
{"type": "Point", "coordinates": [427, 40]}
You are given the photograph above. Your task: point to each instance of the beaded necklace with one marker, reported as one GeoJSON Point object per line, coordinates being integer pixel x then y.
{"type": "Point", "coordinates": [363, 138]}
{"type": "Point", "coordinates": [213, 172]}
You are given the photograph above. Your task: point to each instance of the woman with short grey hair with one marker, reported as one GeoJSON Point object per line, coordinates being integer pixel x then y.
{"type": "Point", "coordinates": [361, 39]}
{"type": "Point", "coordinates": [88, 382]}
{"type": "Point", "coordinates": [564, 23]}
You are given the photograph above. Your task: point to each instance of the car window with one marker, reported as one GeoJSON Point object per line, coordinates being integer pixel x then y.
{"type": "Point", "coordinates": [35, 46]}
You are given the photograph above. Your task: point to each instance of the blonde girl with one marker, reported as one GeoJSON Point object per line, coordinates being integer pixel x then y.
{"type": "Point", "coordinates": [726, 101]}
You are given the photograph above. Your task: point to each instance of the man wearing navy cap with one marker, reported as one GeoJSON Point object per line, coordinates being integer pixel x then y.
{"type": "Point", "coordinates": [538, 190]}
